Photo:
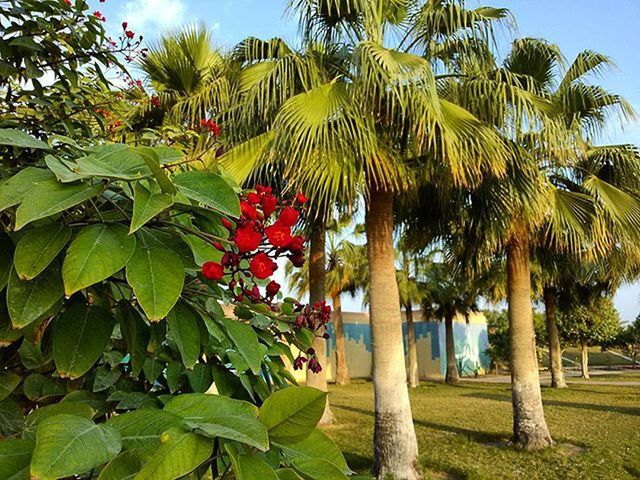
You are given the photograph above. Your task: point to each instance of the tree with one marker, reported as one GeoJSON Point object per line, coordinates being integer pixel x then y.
{"type": "Point", "coordinates": [585, 324]}
{"type": "Point", "coordinates": [627, 340]}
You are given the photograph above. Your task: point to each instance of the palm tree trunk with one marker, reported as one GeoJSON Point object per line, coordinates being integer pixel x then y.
{"type": "Point", "coordinates": [414, 378]}
{"type": "Point", "coordinates": [317, 294]}
{"type": "Point", "coordinates": [555, 350]}
{"type": "Point", "coordinates": [530, 429]}
{"type": "Point", "coordinates": [395, 444]}
{"type": "Point", "coordinates": [584, 363]}
{"type": "Point", "coordinates": [342, 370]}
{"type": "Point", "coordinates": [452, 366]}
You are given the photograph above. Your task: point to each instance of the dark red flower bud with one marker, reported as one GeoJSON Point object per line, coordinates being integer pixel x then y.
{"type": "Point", "coordinates": [262, 266]}
{"type": "Point", "coordinates": [248, 210]}
{"type": "Point", "coordinates": [218, 246]}
{"type": "Point", "coordinates": [226, 223]}
{"type": "Point", "coordinates": [311, 351]}
{"type": "Point", "coordinates": [296, 245]}
{"type": "Point", "coordinates": [124, 25]}
{"type": "Point", "coordinates": [314, 365]}
{"type": "Point", "coordinates": [297, 259]}
{"type": "Point", "coordinates": [212, 271]}
{"type": "Point", "coordinates": [273, 288]}
{"type": "Point", "coordinates": [289, 216]}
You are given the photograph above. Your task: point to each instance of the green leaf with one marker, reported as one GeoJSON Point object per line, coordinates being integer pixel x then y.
{"type": "Point", "coordinates": [152, 159]}
{"type": "Point", "coordinates": [117, 161]}
{"type": "Point", "coordinates": [80, 335]}
{"type": "Point", "coordinates": [205, 408]}
{"type": "Point", "coordinates": [247, 467]}
{"type": "Point", "coordinates": [29, 300]}
{"type": "Point", "coordinates": [105, 378]}
{"type": "Point", "coordinates": [202, 250]}
{"type": "Point", "coordinates": [200, 378]}
{"type": "Point", "coordinates": [316, 445]}
{"type": "Point", "coordinates": [184, 329]}
{"type": "Point", "coordinates": [61, 171]}
{"type": "Point", "coordinates": [96, 253]}
{"type": "Point", "coordinates": [180, 453]}
{"type": "Point", "coordinates": [15, 459]}
{"type": "Point", "coordinates": [147, 205]}
{"type": "Point", "coordinates": [136, 335]}
{"type": "Point", "coordinates": [40, 414]}
{"type": "Point", "coordinates": [18, 138]}
{"type": "Point", "coordinates": [287, 474]}
{"type": "Point", "coordinates": [124, 467]}
{"type": "Point", "coordinates": [38, 247]}
{"type": "Point", "coordinates": [241, 428]}
{"type": "Point", "coordinates": [319, 469]}
{"type": "Point", "coordinates": [140, 430]}
{"type": "Point", "coordinates": [47, 199]}
{"type": "Point", "coordinates": [14, 189]}
{"type": "Point", "coordinates": [152, 369]}
{"type": "Point", "coordinates": [11, 417]}
{"type": "Point", "coordinates": [246, 341]}
{"type": "Point", "coordinates": [8, 334]}
{"type": "Point", "coordinates": [8, 383]}
{"type": "Point", "coordinates": [38, 387]}
{"type": "Point", "coordinates": [6, 259]}
{"type": "Point", "coordinates": [156, 276]}
{"type": "Point", "coordinates": [292, 413]}
{"type": "Point", "coordinates": [209, 189]}
{"type": "Point", "coordinates": [85, 446]}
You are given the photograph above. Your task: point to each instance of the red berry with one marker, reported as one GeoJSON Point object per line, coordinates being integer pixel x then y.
{"type": "Point", "coordinates": [289, 216]}
{"type": "Point", "coordinates": [278, 234]}
{"type": "Point", "coordinates": [247, 238]}
{"type": "Point", "coordinates": [262, 266]}
{"type": "Point", "coordinates": [212, 271]}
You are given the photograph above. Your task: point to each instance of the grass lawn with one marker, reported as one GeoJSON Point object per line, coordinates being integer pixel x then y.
{"type": "Point", "coordinates": [463, 431]}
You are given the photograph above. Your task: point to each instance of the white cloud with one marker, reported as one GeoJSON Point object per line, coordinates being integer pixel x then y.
{"type": "Point", "coordinates": [142, 14]}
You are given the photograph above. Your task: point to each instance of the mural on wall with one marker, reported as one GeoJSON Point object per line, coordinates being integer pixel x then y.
{"type": "Point", "coordinates": [471, 341]}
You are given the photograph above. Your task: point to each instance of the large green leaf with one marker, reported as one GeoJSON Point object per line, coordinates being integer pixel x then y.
{"type": "Point", "coordinates": [49, 198]}
{"type": "Point", "coordinates": [319, 469]}
{"type": "Point", "coordinates": [38, 247]}
{"type": "Point", "coordinates": [151, 157]}
{"type": "Point", "coordinates": [14, 189]}
{"type": "Point", "coordinates": [96, 253]}
{"type": "Point", "coordinates": [185, 331]}
{"type": "Point", "coordinates": [245, 339]}
{"type": "Point", "coordinates": [40, 414]}
{"type": "Point", "coordinates": [136, 335]}
{"type": "Point", "coordinates": [202, 407]}
{"type": "Point", "coordinates": [11, 417]}
{"type": "Point", "coordinates": [209, 189]}
{"type": "Point", "coordinates": [8, 383]}
{"type": "Point", "coordinates": [15, 458]}
{"type": "Point", "coordinates": [291, 414]}
{"type": "Point", "coordinates": [80, 335]}
{"type": "Point", "coordinates": [241, 428]}
{"type": "Point", "coordinates": [124, 467]}
{"type": "Point", "coordinates": [68, 445]}
{"type": "Point", "coordinates": [180, 453]}
{"type": "Point", "coordinates": [247, 467]}
{"type": "Point", "coordinates": [316, 445]}
{"type": "Point", "coordinates": [117, 161]}
{"type": "Point", "coordinates": [28, 300]}
{"type": "Point", "coordinates": [156, 275]}
{"type": "Point", "coordinates": [140, 430]}
{"type": "Point", "coordinates": [18, 138]}
{"type": "Point", "coordinates": [62, 172]}
{"type": "Point", "coordinates": [200, 378]}
{"type": "Point", "coordinates": [288, 474]}
{"type": "Point", "coordinates": [147, 205]}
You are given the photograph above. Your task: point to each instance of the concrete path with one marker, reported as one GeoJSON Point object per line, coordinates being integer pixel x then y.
{"type": "Point", "coordinates": [570, 376]}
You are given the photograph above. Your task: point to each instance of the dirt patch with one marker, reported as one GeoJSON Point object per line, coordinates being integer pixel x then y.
{"type": "Point", "coordinates": [571, 450]}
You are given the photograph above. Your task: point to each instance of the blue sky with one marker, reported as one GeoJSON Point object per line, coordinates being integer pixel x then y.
{"type": "Point", "coordinates": [609, 27]}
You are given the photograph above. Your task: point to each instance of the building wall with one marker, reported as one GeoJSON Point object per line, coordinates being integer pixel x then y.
{"type": "Point", "coordinates": [471, 341]}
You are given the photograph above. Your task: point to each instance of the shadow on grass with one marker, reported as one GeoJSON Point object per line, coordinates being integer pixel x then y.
{"type": "Point", "coordinates": [477, 436]}
{"type": "Point", "coordinates": [557, 403]}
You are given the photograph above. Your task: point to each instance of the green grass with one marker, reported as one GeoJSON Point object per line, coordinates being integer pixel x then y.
{"type": "Point", "coordinates": [463, 431]}
{"type": "Point", "coordinates": [597, 358]}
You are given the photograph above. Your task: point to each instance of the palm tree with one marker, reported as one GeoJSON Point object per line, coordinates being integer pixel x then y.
{"type": "Point", "coordinates": [346, 272]}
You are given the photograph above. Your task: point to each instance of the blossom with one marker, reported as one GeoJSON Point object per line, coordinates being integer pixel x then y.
{"type": "Point", "coordinates": [279, 235]}
{"type": "Point", "coordinates": [297, 259]}
{"type": "Point", "coordinates": [253, 198]}
{"type": "Point", "coordinates": [248, 210]}
{"type": "Point", "coordinates": [262, 266]}
{"type": "Point", "coordinates": [124, 25]}
{"type": "Point", "coordinates": [155, 100]}
{"type": "Point", "coordinates": [269, 203]}
{"type": "Point", "coordinates": [273, 288]}
{"type": "Point", "coordinates": [296, 245]}
{"type": "Point", "coordinates": [129, 34]}
{"type": "Point", "coordinates": [99, 16]}
{"type": "Point", "coordinates": [289, 216]}
{"type": "Point", "coordinates": [212, 271]}
{"type": "Point", "coordinates": [301, 198]}
{"type": "Point", "coordinates": [247, 238]}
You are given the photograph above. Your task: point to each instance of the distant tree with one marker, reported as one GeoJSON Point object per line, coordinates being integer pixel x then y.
{"type": "Point", "coordinates": [628, 341]}
{"type": "Point", "coordinates": [593, 323]}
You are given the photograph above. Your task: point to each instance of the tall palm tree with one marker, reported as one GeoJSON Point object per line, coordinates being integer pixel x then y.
{"type": "Point", "coordinates": [368, 120]}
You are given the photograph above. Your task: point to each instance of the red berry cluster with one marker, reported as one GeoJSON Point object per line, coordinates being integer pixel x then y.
{"type": "Point", "coordinates": [210, 126]}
